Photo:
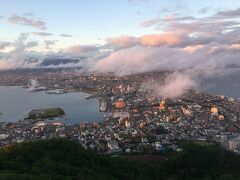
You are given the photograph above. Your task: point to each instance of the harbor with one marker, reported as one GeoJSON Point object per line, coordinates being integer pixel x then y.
{"type": "Point", "coordinates": [21, 102]}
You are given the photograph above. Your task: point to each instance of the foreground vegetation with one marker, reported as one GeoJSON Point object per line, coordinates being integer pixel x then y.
{"type": "Point", "coordinates": [63, 159]}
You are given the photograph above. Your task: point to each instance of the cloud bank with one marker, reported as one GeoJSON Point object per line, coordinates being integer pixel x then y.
{"type": "Point", "coordinates": [196, 47]}
{"type": "Point", "coordinates": [174, 86]}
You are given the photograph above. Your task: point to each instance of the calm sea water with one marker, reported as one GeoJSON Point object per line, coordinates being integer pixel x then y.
{"type": "Point", "coordinates": [16, 102]}
{"type": "Point", "coordinates": [225, 82]}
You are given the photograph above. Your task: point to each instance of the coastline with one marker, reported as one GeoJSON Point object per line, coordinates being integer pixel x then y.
{"type": "Point", "coordinates": [75, 105]}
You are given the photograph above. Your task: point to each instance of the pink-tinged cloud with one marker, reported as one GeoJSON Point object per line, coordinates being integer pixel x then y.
{"type": "Point", "coordinates": [160, 39]}
{"type": "Point", "coordinates": [5, 65]}
{"type": "Point", "coordinates": [123, 41]}
{"type": "Point", "coordinates": [138, 59]}
{"type": "Point", "coordinates": [145, 40]}
{"type": "Point", "coordinates": [191, 49]}
{"type": "Point", "coordinates": [21, 20]}
{"type": "Point", "coordinates": [235, 46]}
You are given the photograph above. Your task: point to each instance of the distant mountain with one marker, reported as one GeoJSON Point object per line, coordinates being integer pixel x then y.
{"type": "Point", "coordinates": [233, 66]}
{"type": "Point", "coordinates": [31, 59]}
{"type": "Point", "coordinates": [38, 61]}
{"type": "Point", "coordinates": [55, 62]}
{"type": "Point", "coordinates": [37, 71]}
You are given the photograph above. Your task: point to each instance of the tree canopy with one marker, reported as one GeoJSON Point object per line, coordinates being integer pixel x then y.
{"type": "Point", "coordinates": [64, 159]}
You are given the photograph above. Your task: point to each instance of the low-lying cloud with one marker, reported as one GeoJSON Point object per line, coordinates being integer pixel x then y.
{"type": "Point", "coordinates": [195, 47]}
{"type": "Point", "coordinates": [16, 58]}
{"type": "Point", "coordinates": [173, 86]}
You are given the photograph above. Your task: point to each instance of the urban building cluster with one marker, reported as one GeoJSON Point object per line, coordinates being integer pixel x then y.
{"type": "Point", "coordinates": [134, 119]}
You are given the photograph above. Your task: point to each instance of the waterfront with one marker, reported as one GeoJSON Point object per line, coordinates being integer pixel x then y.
{"type": "Point", "coordinates": [15, 102]}
{"type": "Point", "coordinates": [134, 119]}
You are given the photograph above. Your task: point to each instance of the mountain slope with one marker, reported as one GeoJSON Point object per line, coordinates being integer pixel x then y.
{"type": "Point", "coordinates": [63, 159]}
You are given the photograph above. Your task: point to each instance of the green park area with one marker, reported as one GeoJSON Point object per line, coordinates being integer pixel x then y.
{"type": "Point", "coordinates": [45, 113]}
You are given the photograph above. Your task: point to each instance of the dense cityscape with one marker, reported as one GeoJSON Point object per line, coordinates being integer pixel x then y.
{"type": "Point", "coordinates": [134, 119]}
{"type": "Point", "coordinates": [120, 90]}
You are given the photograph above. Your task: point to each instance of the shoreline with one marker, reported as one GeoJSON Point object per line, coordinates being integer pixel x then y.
{"type": "Point", "coordinates": [72, 115]}
{"type": "Point", "coordinates": [94, 92]}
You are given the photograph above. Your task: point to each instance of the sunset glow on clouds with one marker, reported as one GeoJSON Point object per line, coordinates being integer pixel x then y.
{"type": "Point", "coordinates": [172, 35]}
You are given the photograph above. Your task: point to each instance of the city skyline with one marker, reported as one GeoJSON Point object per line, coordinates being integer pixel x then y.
{"type": "Point", "coordinates": [194, 40]}
{"type": "Point", "coordinates": [120, 89]}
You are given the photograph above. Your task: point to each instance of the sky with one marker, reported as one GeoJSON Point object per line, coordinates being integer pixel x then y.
{"type": "Point", "coordinates": [93, 21]}
{"type": "Point", "coordinates": [196, 39]}
{"type": "Point", "coordinates": [125, 33]}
